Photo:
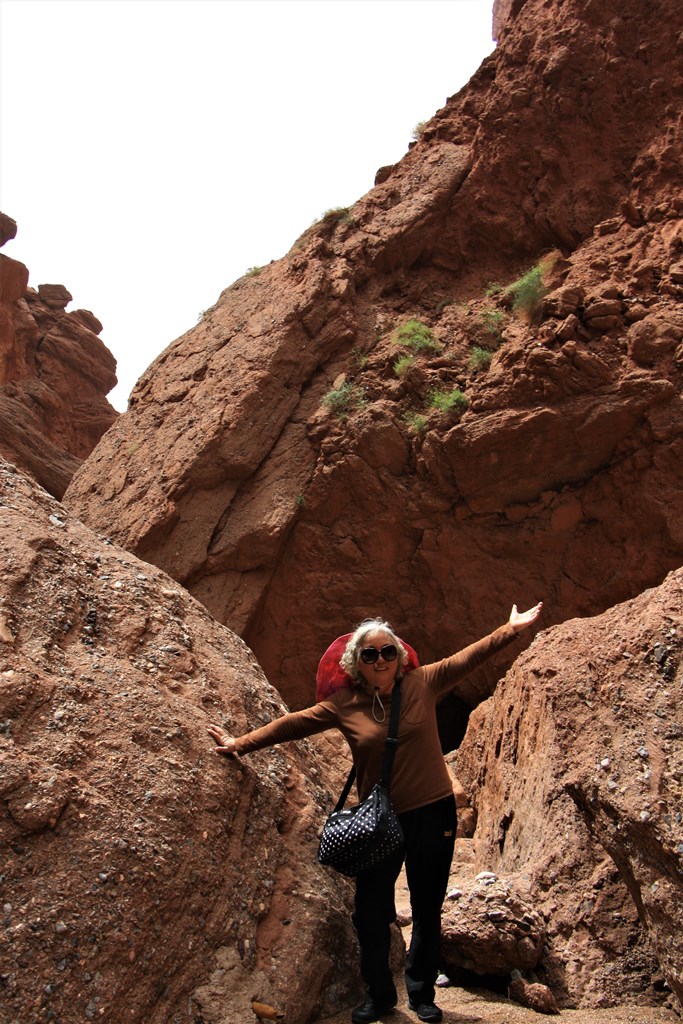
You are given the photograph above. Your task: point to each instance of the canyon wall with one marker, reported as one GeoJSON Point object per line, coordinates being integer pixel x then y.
{"type": "Point", "coordinates": [285, 459]}
{"type": "Point", "coordinates": [463, 391]}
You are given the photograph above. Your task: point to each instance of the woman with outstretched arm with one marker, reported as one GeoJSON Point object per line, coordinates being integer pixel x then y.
{"type": "Point", "coordinates": [373, 659]}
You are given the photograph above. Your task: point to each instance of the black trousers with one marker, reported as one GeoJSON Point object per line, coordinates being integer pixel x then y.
{"type": "Point", "coordinates": [429, 833]}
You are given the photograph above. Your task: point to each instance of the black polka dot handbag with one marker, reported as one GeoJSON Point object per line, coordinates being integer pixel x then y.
{"type": "Point", "coordinates": [357, 838]}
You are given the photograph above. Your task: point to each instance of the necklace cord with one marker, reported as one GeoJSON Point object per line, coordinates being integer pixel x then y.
{"type": "Point", "coordinates": [376, 699]}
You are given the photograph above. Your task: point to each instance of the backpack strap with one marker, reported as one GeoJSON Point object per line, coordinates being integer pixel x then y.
{"type": "Point", "coordinates": [392, 736]}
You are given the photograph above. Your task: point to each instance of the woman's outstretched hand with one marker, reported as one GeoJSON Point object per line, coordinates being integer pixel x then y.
{"type": "Point", "coordinates": [225, 744]}
{"type": "Point", "coordinates": [520, 620]}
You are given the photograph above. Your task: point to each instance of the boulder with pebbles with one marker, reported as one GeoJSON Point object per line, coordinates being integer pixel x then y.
{"type": "Point", "coordinates": [143, 874]}
{"type": "Point", "coordinates": [488, 927]}
{"type": "Point", "coordinates": [579, 794]}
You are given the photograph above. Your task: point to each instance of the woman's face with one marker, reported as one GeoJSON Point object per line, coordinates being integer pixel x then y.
{"type": "Point", "coordinates": [382, 674]}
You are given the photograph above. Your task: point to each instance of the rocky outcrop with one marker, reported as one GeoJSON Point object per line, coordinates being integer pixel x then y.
{"type": "Point", "coordinates": [273, 460]}
{"type": "Point", "coordinates": [171, 878]}
{"type": "Point", "coordinates": [461, 392]}
{"type": "Point", "coordinates": [8, 231]}
{"type": "Point", "coordinates": [143, 874]}
{"type": "Point", "coordinates": [54, 375]}
{"type": "Point", "coordinates": [579, 797]}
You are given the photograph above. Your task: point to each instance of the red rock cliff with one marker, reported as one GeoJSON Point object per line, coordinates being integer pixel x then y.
{"type": "Point", "coordinates": [281, 461]}
{"type": "Point", "coordinates": [394, 418]}
{"type": "Point", "coordinates": [54, 375]}
{"type": "Point", "coordinates": [502, 10]}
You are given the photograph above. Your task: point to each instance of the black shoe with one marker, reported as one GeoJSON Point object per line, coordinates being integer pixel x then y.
{"type": "Point", "coordinates": [426, 1011]}
{"type": "Point", "coordinates": [372, 1010]}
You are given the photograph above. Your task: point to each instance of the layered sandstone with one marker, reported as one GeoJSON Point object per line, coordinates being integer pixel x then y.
{"type": "Point", "coordinates": [54, 375]}
{"type": "Point", "coordinates": [142, 874]}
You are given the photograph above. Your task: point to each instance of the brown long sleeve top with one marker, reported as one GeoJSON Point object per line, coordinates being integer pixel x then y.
{"type": "Point", "coordinates": [419, 774]}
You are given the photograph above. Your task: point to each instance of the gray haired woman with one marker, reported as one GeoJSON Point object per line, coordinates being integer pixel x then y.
{"type": "Point", "coordinates": [421, 790]}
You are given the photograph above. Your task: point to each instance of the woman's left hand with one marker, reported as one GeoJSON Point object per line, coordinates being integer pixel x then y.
{"type": "Point", "coordinates": [520, 620]}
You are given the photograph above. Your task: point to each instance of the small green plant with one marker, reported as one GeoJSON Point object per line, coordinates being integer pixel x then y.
{"type": "Point", "coordinates": [448, 401]}
{"type": "Point", "coordinates": [415, 422]}
{"type": "Point", "coordinates": [403, 364]}
{"type": "Point", "coordinates": [343, 399]}
{"type": "Point", "coordinates": [480, 358]}
{"type": "Point", "coordinates": [253, 272]}
{"type": "Point", "coordinates": [493, 288]}
{"type": "Point", "coordinates": [418, 130]}
{"type": "Point", "coordinates": [417, 337]}
{"type": "Point", "coordinates": [300, 500]}
{"type": "Point", "coordinates": [337, 215]}
{"type": "Point", "coordinates": [360, 358]}
{"type": "Point", "coordinates": [528, 291]}
{"type": "Point", "coordinates": [493, 320]}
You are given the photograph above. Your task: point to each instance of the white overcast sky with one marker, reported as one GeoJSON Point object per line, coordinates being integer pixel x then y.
{"type": "Point", "coordinates": [151, 151]}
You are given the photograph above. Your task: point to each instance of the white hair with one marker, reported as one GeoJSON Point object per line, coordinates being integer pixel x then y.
{"type": "Point", "coordinates": [350, 657]}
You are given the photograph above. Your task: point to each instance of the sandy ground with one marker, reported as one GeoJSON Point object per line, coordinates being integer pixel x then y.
{"type": "Point", "coordinates": [470, 1006]}
{"type": "Point", "coordinates": [479, 1006]}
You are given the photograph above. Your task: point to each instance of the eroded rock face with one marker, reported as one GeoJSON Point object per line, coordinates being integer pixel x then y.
{"type": "Point", "coordinates": [278, 462]}
{"type": "Point", "coordinates": [281, 463]}
{"type": "Point", "coordinates": [54, 375]}
{"type": "Point", "coordinates": [141, 872]}
{"type": "Point", "coordinates": [579, 797]}
{"type": "Point", "coordinates": [275, 461]}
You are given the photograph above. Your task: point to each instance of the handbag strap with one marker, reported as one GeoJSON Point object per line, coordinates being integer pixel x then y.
{"type": "Point", "coordinates": [389, 749]}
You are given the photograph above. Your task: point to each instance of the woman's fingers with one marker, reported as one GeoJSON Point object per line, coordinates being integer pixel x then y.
{"type": "Point", "coordinates": [520, 620]}
{"type": "Point", "coordinates": [225, 743]}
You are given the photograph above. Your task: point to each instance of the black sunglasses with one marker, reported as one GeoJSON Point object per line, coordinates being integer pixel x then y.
{"type": "Point", "coordinates": [369, 655]}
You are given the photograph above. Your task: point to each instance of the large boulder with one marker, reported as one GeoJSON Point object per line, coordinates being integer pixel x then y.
{"type": "Point", "coordinates": [141, 872]}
